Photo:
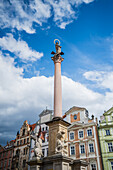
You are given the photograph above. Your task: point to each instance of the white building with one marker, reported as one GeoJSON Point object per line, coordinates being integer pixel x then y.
{"type": "Point", "coordinates": [45, 116]}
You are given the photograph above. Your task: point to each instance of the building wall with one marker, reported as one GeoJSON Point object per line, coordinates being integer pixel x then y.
{"type": "Point", "coordinates": [6, 154]}
{"type": "Point", "coordinates": [22, 145]}
{"type": "Point", "coordinates": [92, 157]}
{"type": "Point", "coordinates": [106, 138]}
{"type": "Point", "coordinates": [45, 116]}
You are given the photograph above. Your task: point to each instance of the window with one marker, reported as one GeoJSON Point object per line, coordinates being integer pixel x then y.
{"type": "Point", "coordinates": [16, 164]}
{"type": "Point", "coordinates": [5, 163]}
{"type": "Point", "coordinates": [47, 137]}
{"type": "Point", "coordinates": [107, 132]}
{"type": "Point", "coordinates": [21, 142]}
{"type": "Point", "coordinates": [71, 135]}
{"type": "Point", "coordinates": [24, 151]}
{"type": "Point", "coordinates": [43, 152]}
{"type": "Point", "coordinates": [10, 153]}
{"type": "Point", "coordinates": [110, 147]}
{"type": "Point", "coordinates": [81, 134]}
{"type": "Point", "coordinates": [27, 140]}
{"type": "Point", "coordinates": [43, 129]}
{"type": "Point", "coordinates": [23, 132]}
{"type": "Point", "coordinates": [46, 128]}
{"type": "Point", "coordinates": [0, 155]}
{"type": "Point", "coordinates": [9, 163]}
{"type": "Point", "coordinates": [82, 149]}
{"type": "Point", "coordinates": [3, 154]}
{"type": "Point", "coordinates": [24, 163]}
{"type": "Point", "coordinates": [91, 147]}
{"type": "Point", "coordinates": [72, 150]}
{"type": "Point", "coordinates": [17, 151]}
{"type": "Point", "coordinates": [89, 132]}
{"type": "Point", "coordinates": [24, 141]}
{"type": "Point", "coordinates": [112, 165]}
{"type": "Point", "coordinates": [17, 143]}
{"type": "Point", "coordinates": [1, 164]}
{"type": "Point", "coordinates": [47, 151]}
{"type": "Point", "coordinates": [93, 166]}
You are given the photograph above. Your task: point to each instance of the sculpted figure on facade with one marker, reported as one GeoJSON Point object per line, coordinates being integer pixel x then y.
{"type": "Point", "coordinates": [61, 145]}
{"type": "Point", "coordinates": [38, 146]}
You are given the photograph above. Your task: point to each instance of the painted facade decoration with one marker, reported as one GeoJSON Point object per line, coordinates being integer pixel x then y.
{"type": "Point", "coordinates": [106, 138]}
{"type": "Point", "coordinates": [76, 114]}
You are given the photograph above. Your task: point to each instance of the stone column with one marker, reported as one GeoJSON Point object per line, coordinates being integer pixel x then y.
{"type": "Point", "coordinates": [57, 81]}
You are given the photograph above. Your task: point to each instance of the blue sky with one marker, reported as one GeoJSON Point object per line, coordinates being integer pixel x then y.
{"type": "Point", "coordinates": [27, 32]}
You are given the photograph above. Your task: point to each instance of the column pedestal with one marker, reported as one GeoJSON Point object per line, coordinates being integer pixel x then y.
{"type": "Point", "coordinates": [56, 125]}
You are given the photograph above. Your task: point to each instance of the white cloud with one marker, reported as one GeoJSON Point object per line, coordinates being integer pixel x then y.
{"type": "Point", "coordinates": [21, 15]}
{"type": "Point", "coordinates": [103, 79]}
{"type": "Point", "coordinates": [23, 95]}
{"type": "Point", "coordinates": [19, 47]}
{"type": "Point", "coordinates": [24, 98]}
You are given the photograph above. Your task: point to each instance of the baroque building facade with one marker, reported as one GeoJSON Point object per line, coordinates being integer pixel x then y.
{"type": "Point", "coordinates": [83, 141]}
{"type": "Point", "coordinates": [21, 147]}
{"type": "Point", "coordinates": [106, 138]}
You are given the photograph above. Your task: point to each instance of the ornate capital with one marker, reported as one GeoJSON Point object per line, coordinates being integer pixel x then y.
{"type": "Point", "coordinates": [57, 58]}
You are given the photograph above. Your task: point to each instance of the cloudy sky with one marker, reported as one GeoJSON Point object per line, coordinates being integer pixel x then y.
{"type": "Point", "coordinates": [27, 32]}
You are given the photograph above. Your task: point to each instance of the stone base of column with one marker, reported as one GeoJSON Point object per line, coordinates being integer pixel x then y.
{"type": "Point", "coordinates": [35, 164]}
{"type": "Point", "coordinates": [57, 162]}
{"type": "Point", "coordinates": [55, 125]}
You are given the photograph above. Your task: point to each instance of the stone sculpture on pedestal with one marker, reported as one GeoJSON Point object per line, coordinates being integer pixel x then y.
{"type": "Point", "coordinates": [38, 146]}
{"type": "Point", "coordinates": [61, 145]}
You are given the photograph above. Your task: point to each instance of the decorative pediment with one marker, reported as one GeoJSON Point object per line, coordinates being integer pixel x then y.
{"type": "Point", "coordinates": [75, 125]}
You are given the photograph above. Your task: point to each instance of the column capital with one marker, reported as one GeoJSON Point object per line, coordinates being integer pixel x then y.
{"type": "Point", "coordinates": [57, 58]}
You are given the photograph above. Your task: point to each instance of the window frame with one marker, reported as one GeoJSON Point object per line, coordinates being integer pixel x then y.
{"type": "Point", "coordinates": [79, 134]}
{"type": "Point", "coordinates": [94, 167]}
{"type": "Point", "coordinates": [111, 165]}
{"type": "Point", "coordinates": [91, 148]}
{"type": "Point", "coordinates": [73, 135]}
{"type": "Point", "coordinates": [43, 150]}
{"type": "Point", "coordinates": [82, 144]}
{"type": "Point", "coordinates": [24, 163]}
{"type": "Point", "coordinates": [107, 130]}
{"type": "Point", "coordinates": [71, 150]}
{"type": "Point", "coordinates": [110, 148]}
{"type": "Point", "coordinates": [88, 133]}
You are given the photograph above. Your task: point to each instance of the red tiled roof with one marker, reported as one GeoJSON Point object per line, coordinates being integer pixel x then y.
{"type": "Point", "coordinates": [33, 126]}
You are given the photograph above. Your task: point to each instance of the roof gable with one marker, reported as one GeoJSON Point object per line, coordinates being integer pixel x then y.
{"type": "Point", "coordinates": [109, 112]}
{"type": "Point", "coordinates": [45, 112]}
{"type": "Point", "coordinates": [74, 108]}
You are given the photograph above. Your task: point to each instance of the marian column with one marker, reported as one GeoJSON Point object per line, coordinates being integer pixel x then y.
{"type": "Point", "coordinates": [57, 80]}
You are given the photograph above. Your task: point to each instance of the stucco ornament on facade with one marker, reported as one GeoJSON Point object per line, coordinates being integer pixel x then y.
{"type": "Point", "coordinates": [61, 145]}
{"type": "Point", "coordinates": [38, 146]}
